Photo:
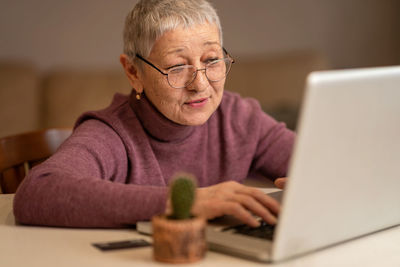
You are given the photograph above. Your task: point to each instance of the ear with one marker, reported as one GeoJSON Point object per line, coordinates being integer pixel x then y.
{"type": "Point", "coordinates": [132, 73]}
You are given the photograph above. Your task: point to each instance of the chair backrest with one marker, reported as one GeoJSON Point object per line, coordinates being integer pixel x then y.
{"type": "Point", "coordinates": [18, 153]}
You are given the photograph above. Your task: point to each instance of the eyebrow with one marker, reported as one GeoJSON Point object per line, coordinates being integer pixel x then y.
{"type": "Point", "coordinates": [212, 43]}
{"type": "Point", "coordinates": [176, 50]}
{"type": "Point", "coordinates": [180, 49]}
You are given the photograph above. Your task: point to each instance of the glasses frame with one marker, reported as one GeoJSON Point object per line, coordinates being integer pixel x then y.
{"type": "Point", "coordinates": [195, 73]}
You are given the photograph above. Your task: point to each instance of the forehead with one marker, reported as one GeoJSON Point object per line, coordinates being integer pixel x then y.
{"type": "Point", "coordinates": [196, 38]}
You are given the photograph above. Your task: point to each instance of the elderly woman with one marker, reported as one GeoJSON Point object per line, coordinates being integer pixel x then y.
{"type": "Point", "coordinates": [114, 169]}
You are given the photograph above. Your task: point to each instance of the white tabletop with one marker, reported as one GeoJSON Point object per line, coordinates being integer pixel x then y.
{"type": "Point", "coordinates": [59, 247]}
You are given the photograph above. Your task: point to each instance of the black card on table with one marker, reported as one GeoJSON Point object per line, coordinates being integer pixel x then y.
{"type": "Point", "coordinates": [134, 243]}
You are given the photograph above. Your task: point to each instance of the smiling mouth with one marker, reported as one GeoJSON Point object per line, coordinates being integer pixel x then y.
{"type": "Point", "coordinates": [197, 101]}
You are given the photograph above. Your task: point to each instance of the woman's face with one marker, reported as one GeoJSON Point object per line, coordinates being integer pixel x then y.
{"type": "Point", "coordinates": [194, 104]}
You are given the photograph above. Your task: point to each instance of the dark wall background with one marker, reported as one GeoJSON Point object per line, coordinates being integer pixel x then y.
{"type": "Point", "coordinates": [80, 34]}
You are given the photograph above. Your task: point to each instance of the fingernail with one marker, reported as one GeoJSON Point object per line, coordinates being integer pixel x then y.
{"type": "Point", "coordinates": [257, 224]}
{"type": "Point", "coordinates": [274, 220]}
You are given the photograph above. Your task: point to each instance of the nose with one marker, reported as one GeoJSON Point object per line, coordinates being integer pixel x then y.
{"type": "Point", "coordinates": [200, 82]}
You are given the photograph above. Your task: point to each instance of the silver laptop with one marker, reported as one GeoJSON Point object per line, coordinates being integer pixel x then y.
{"type": "Point", "coordinates": [344, 176]}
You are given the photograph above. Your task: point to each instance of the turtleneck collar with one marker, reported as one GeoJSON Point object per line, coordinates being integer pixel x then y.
{"type": "Point", "coordinates": [155, 123]}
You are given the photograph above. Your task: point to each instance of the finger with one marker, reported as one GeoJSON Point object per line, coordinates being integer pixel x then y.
{"type": "Point", "coordinates": [219, 208]}
{"type": "Point", "coordinates": [240, 199]}
{"type": "Point", "coordinates": [280, 182]}
{"type": "Point", "coordinates": [256, 208]}
{"type": "Point", "coordinates": [239, 212]}
{"type": "Point", "coordinates": [267, 201]}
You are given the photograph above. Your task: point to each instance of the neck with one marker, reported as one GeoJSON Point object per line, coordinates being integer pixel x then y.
{"type": "Point", "coordinates": [155, 123]}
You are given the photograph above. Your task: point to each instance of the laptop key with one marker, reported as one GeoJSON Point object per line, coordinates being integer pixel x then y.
{"type": "Point", "coordinates": [264, 231]}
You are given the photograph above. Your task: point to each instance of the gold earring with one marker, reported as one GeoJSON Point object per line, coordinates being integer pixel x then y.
{"type": "Point", "coordinates": [138, 96]}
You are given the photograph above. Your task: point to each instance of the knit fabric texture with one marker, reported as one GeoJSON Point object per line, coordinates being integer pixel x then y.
{"type": "Point", "coordinates": [114, 169]}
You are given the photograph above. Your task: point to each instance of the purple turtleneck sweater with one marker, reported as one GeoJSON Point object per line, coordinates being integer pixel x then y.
{"type": "Point", "coordinates": [114, 168]}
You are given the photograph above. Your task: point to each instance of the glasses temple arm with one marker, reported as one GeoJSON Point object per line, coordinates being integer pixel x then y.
{"type": "Point", "coordinates": [229, 55]}
{"type": "Point", "coordinates": [151, 64]}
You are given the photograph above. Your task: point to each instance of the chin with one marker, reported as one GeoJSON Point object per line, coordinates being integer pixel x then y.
{"type": "Point", "coordinates": [194, 120]}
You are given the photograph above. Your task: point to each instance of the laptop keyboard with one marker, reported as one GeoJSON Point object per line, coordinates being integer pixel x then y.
{"type": "Point", "coordinates": [264, 231]}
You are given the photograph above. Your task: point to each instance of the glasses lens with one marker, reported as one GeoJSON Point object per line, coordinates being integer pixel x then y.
{"type": "Point", "coordinates": [181, 76]}
{"type": "Point", "coordinates": [218, 69]}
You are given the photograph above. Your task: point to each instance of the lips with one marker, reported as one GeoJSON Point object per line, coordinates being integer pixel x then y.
{"type": "Point", "coordinates": [200, 102]}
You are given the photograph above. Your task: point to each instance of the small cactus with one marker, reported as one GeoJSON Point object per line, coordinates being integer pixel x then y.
{"type": "Point", "coordinates": [182, 194]}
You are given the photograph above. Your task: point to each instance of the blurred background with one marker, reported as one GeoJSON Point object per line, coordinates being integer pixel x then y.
{"type": "Point", "coordinates": [59, 58]}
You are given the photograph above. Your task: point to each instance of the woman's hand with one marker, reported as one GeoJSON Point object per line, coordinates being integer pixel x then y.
{"type": "Point", "coordinates": [280, 182]}
{"type": "Point", "coordinates": [240, 201]}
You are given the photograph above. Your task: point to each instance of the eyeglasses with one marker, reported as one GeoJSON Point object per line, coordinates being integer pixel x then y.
{"type": "Point", "coordinates": [181, 76]}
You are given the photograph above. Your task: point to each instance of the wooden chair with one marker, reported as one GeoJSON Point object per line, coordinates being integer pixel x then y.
{"type": "Point", "coordinates": [18, 153]}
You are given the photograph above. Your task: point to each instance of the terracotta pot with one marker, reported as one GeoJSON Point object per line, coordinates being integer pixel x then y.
{"type": "Point", "coordinates": [179, 241]}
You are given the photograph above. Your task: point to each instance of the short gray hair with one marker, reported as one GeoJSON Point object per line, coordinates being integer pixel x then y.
{"type": "Point", "coordinates": [150, 19]}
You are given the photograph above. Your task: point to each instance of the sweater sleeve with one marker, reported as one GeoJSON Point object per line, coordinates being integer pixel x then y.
{"type": "Point", "coordinates": [84, 184]}
{"type": "Point", "coordinates": [264, 144]}
{"type": "Point", "coordinates": [274, 147]}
